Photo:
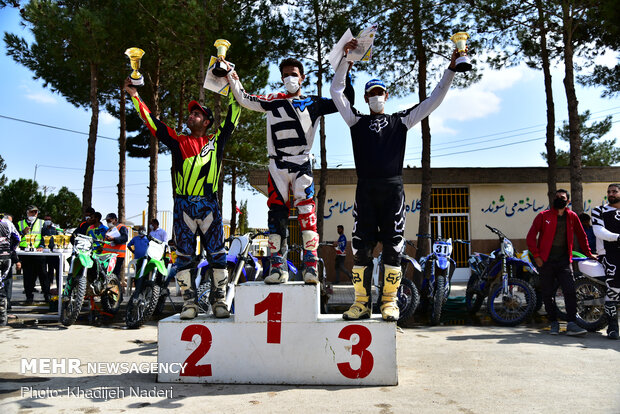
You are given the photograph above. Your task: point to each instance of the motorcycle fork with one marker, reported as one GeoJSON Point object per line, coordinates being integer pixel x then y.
{"type": "Point", "coordinates": [504, 277]}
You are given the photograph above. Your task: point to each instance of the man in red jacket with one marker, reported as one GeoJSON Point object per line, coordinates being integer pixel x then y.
{"type": "Point", "coordinates": [550, 240]}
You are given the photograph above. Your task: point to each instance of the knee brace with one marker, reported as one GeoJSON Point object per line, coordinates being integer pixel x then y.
{"type": "Point", "coordinates": [391, 282]}
{"type": "Point", "coordinates": [307, 215]}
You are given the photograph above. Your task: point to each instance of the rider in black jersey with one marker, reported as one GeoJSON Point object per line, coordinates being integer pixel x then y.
{"type": "Point", "coordinates": [379, 212]}
{"type": "Point", "coordinates": [606, 226]}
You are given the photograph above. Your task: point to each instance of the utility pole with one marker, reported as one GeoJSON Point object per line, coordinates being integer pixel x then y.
{"type": "Point", "coordinates": [35, 172]}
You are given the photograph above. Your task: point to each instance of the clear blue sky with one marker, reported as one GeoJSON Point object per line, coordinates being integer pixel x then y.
{"type": "Point", "coordinates": [505, 108]}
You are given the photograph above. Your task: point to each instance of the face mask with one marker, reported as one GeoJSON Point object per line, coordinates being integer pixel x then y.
{"type": "Point", "coordinates": [110, 224]}
{"type": "Point", "coordinates": [559, 203]}
{"type": "Point", "coordinates": [48, 222]}
{"type": "Point", "coordinates": [86, 218]}
{"type": "Point", "coordinates": [32, 218]}
{"type": "Point", "coordinates": [376, 103]}
{"type": "Point", "coordinates": [151, 227]}
{"type": "Point", "coordinates": [291, 83]}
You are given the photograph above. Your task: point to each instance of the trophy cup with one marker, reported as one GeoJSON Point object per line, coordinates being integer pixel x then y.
{"type": "Point", "coordinates": [46, 243]}
{"type": "Point", "coordinates": [67, 243]}
{"type": "Point", "coordinates": [220, 69]}
{"type": "Point", "coordinates": [58, 241]}
{"type": "Point", "coordinates": [29, 241]}
{"type": "Point", "coordinates": [135, 54]}
{"type": "Point", "coordinates": [462, 62]}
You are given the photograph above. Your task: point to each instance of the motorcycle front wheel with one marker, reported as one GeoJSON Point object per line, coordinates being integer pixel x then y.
{"type": "Point", "coordinates": [408, 299]}
{"type": "Point", "coordinates": [513, 306]}
{"type": "Point", "coordinates": [4, 311]}
{"type": "Point", "coordinates": [141, 305]}
{"type": "Point", "coordinates": [72, 304]}
{"type": "Point", "coordinates": [439, 298]}
{"type": "Point", "coordinates": [112, 296]}
{"type": "Point", "coordinates": [473, 296]}
{"type": "Point", "coordinates": [590, 305]}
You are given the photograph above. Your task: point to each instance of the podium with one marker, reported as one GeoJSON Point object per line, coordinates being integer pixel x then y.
{"type": "Point", "coordinates": [278, 336]}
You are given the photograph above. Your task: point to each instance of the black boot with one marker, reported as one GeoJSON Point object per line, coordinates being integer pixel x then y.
{"type": "Point", "coordinates": [612, 320]}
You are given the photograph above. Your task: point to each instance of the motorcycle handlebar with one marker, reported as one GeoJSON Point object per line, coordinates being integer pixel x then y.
{"type": "Point", "coordinates": [496, 231]}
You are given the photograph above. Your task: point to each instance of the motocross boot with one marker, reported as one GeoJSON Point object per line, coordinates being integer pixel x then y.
{"type": "Point", "coordinates": [311, 243]}
{"type": "Point", "coordinates": [278, 272]}
{"type": "Point", "coordinates": [220, 280]}
{"type": "Point", "coordinates": [391, 283]}
{"type": "Point", "coordinates": [190, 308]}
{"type": "Point", "coordinates": [612, 319]}
{"type": "Point", "coordinates": [361, 307]}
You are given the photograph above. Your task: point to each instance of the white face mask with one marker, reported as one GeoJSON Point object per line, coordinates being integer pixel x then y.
{"type": "Point", "coordinates": [47, 222]}
{"type": "Point", "coordinates": [86, 218]}
{"type": "Point", "coordinates": [32, 218]}
{"type": "Point", "coordinates": [110, 224]}
{"type": "Point", "coordinates": [376, 103]}
{"type": "Point", "coordinates": [291, 83]}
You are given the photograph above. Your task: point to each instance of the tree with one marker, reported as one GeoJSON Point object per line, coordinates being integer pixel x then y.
{"type": "Point", "coordinates": [65, 208]}
{"type": "Point", "coordinates": [2, 168]}
{"type": "Point", "coordinates": [243, 217]}
{"type": "Point", "coordinates": [17, 195]}
{"type": "Point", "coordinates": [595, 154]}
{"type": "Point", "coordinates": [70, 48]}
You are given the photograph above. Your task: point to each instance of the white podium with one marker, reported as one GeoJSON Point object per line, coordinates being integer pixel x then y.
{"type": "Point", "coordinates": [278, 336]}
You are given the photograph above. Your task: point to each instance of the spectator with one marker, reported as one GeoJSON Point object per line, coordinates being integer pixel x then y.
{"type": "Point", "coordinates": [8, 230]}
{"type": "Point", "coordinates": [117, 235]}
{"type": "Point", "coordinates": [82, 228]}
{"type": "Point", "coordinates": [97, 231]}
{"type": "Point", "coordinates": [550, 240]}
{"type": "Point", "coordinates": [51, 262]}
{"type": "Point", "coordinates": [156, 232]}
{"type": "Point", "coordinates": [606, 224]}
{"type": "Point", "coordinates": [34, 266]}
{"type": "Point", "coordinates": [341, 245]}
{"type": "Point", "coordinates": [586, 223]}
{"type": "Point", "coordinates": [139, 243]}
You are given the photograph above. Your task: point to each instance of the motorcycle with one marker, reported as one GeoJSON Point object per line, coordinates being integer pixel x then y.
{"type": "Point", "coordinates": [591, 289]}
{"type": "Point", "coordinates": [407, 296]}
{"type": "Point", "coordinates": [437, 270]}
{"type": "Point", "coordinates": [149, 281]}
{"type": "Point", "coordinates": [83, 282]}
{"type": "Point", "coordinates": [510, 300]}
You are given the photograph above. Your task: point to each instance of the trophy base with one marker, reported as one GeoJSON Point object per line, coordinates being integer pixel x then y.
{"type": "Point", "coordinates": [463, 64]}
{"type": "Point", "coordinates": [137, 82]}
{"type": "Point", "coordinates": [220, 70]}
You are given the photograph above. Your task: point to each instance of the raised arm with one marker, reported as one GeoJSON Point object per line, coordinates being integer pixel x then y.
{"type": "Point", "coordinates": [337, 92]}
{"type": "Point", "coordinates": [252, 102]}
{"type": "Point", "coordinates": [231, 121]}
{"type": "Point", "coordinates": [160, 130]}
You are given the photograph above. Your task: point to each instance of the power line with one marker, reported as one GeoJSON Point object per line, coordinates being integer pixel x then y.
{"type": "Point", "coordinates": [54, 127]}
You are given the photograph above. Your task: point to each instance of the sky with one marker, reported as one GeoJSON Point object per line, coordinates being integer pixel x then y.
{"type": "Point", "coordinates": [497, 122]}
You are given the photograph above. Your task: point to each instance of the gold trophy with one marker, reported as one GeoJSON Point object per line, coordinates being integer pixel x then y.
{"type": "Point", "coordinates": [46, 243]}
{"type": "Point", "coordinates": [67, 242]}
{"type": "Point", "coordinates": [59, 239]}
{"type": "Point", "coordinates": [220, 69]}
{"type": "Point", "coordinates": [30, 240]}
{"type": "Point", "coordinates": [463, 63]}
{"type": "Point", "coordinates": [135, 54]}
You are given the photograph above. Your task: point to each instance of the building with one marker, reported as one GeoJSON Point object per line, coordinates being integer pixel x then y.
{"type": "Point", "coordinates": [463, 201]}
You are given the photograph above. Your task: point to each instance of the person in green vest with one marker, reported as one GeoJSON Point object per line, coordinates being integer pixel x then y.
{"type": "Point", "coordinates": [33, 266]}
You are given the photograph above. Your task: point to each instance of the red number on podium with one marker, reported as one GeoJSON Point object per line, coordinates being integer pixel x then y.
{"type": "Point", "coordinates": [273, 305]}
{"type": "Point", "coordinates": [193, 370]}
{"type": "Point", "coordinates": [360, 349]}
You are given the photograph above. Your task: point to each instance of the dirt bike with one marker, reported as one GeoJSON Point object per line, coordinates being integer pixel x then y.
{"type": "Point", "coordinates": [150, 277]}
{"type": "Point", "coordinates": [407, 296]}
{"type": "Point", "coordinates": [437, 270]}
{"type": "Point", "coordinates": [90, 275]}
{"type": "Point", "coordinates": [591, 289]}
{"type": "Point", "coordinates": [510, 300]}
{"type": "Point", "coordinates": [240, 264]}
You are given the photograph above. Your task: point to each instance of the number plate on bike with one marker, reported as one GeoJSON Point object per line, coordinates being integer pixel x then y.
{"type": "Point", "coordinates": [442, 248]}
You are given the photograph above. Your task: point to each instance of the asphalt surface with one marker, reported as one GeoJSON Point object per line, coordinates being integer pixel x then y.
{"type": "Point", "coordinates": [465, 365]}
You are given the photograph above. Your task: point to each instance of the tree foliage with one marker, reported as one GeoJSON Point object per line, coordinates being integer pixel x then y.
{"type": "Point", "coordinates": [2, 168]}
{"type": "Point", "coordinates": [595, 153]}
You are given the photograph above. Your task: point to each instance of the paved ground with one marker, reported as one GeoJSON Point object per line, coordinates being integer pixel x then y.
{"type": "Point", "coordinates": [445, 369]}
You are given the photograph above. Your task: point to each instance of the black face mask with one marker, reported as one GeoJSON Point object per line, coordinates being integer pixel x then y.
{"type": "Point", "coordinates": [559, 203]}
